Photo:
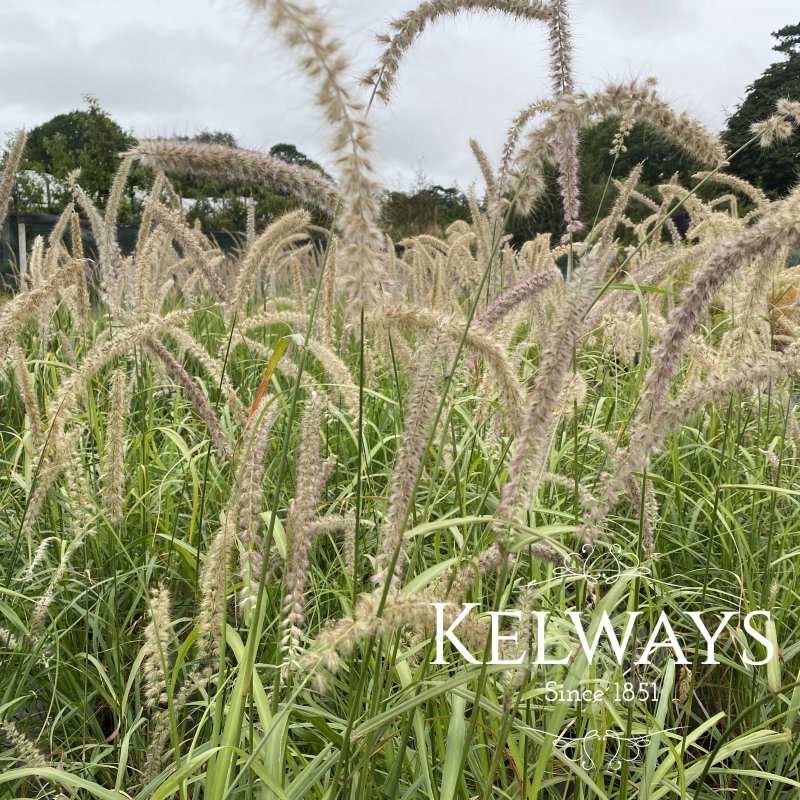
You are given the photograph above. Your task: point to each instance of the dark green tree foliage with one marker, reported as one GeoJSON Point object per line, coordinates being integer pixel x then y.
{"type": "Point", "coordinates": [661, 159]}
{"type": "Point", "coordinates": [87, 140]}
{"type": "Point", "coordinates": [427, 208]}
{"type": "Point", "coordinates": [216, 137]}
{"type": "Point", "coordinates": [775, 169]}
{"type": "Point", "coordinates": [547, 215]}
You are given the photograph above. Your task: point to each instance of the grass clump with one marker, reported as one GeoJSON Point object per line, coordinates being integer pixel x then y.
{"type": "Point", "coordinates": [237, 490]}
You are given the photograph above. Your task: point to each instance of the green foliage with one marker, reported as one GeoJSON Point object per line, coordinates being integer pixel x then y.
{"type": "Point", "coordinates": [419, 730]}
{"type": "Point", "coordinates": [775, 169]}
{"type": "Point", "coordinates": [427, 208]}
{"type": "Point", "coordinates": [547, 215]}
{"type": "Point", "coordinates": [216, 137]}
{"type": "Point", "coordinates": [77, 673]}
{"type": "Point", "coordinates": [661, 159]}
{"type": "Point", "coordinates": [86, 140]}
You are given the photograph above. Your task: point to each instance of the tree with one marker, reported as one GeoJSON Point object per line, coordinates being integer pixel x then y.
{"type": "Point", "coordinates": [427, 208]}
{"type": "Point", "coordinates": [661, 160]}
{"type": "Point", "coordinates": [774, 169]}
{"type": "Point", "coordinates": [87, 140]}
{"type": "Point", "coordinates": [547, 215]}
{"type": "Point", "coordinates": [216, 137]}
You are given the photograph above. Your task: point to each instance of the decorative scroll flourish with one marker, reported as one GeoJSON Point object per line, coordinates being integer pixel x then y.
{"type": "Point", "coordinates": [602, 564]}
{"type": "Point", "coordinates": [616, 748]}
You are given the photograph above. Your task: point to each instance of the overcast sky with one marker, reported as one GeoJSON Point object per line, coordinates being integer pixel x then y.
{"type": "Point", "coordinates": [167, 67]}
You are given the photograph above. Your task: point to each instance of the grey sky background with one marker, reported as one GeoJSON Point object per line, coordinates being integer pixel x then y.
{"type": "Point", "coordinates": [175, 67]}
